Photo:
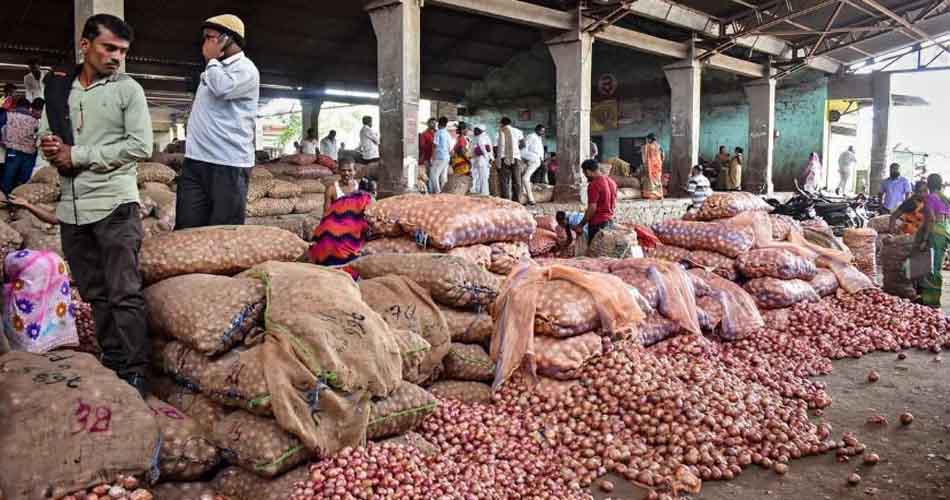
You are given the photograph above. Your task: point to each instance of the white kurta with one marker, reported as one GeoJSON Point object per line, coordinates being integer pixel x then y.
{"type": "Point", "coordinates": [481, 164]}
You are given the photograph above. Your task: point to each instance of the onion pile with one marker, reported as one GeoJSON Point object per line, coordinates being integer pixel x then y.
{"type": "Point", "coordinates": [125, 488]}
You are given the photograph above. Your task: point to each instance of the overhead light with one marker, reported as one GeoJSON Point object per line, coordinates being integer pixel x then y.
{"type": "Point", "coordinates": [299, 88]}
{"type": "Point", "coordinates": [351, 93]}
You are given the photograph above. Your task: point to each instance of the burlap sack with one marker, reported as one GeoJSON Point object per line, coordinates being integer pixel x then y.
{"type": "Point", "coordinates": [281, 169]}
{"type": "Point", "coordinates": [283, 190]}
{"type": "Point", "coordinates": [771, 293]}
{"type": "Point", "coordinates": [468, 362]}
{"type": "Point", "coordinates": [895, 250]}
{"type": "Point", "coordinates": [268, 207]}
{"type": "Point", "coordinates": [775, 263]}
{"type": "Point", "coordinates": [863, 244]}
{"type": "Point", "coordinates": [209, 313]}
{"type": "Point", "coordinates": [258, 188]}
{"type": "Point", "coordinates": [187, 451]}
{"type": "Point", "coordinates": [69, 424]}
{"type": "Point", "coordinates": [459, 390]}
{"type": "Point", "coordinates": [451, 281]}
{"type": "Point", "coordinates": [716, 237]}
{"type": "Point", "coordinates": [307, 203]}
{"type": "Point", "coordinates": [46, 175]}
{"type": "Point", "coordinates": [667, 252]}
{"type": "Point", "coordinates": [480, 255]}
{"type": "Point", "coordinates": [189, 401]}
{"type": "Point", "coordinates": [297, 224]}
{"type": "Point", "coordinates": [458, 185]}
{"type": "Point", "coordinates": [715, 262]}
{"type": "Point", "coordinates": [506, 255]}
{"type": "Point", "coordinates": [825, 283]}
{"type": "Point", "coordinates": [450, 221]}
{"type": "Point", "coordinates": [404, 305]}
{"type": "Point", "coordinates": [565, 310]}
{"type": "Point", "coordinates": [413, 349]}
{"type": "Point", "coordinates": [299, 159]}
{"type": "Point", "coordinates": [400, 412]}
{"type": "Point", "coordinates": [311, 186]}
{"type": "Point", "coordinates": [41, 239]}
{"type": "Point", "coordinates": [626, 182]}
{"type": "Point", "coordinates": [312, 172]}
{"type": "Point", "coordinates": [414, 441]}
{"type": "Point", "coordinates": [731, 204]}
{"type": "Point", "coordinates": [561, 359]}
{"type": "Point", "coordinates": [216, 250]}
{"type": "Point", "coordinates": [237, 484]}
{"type": "Point", "coordinates": [617, 242]}
{"type": "Point", "coordinates": [468, 327]}
{"type": "Point", "coordinates": [165, 204]}
{"type": "Point", "coordinates": [183, 491]}
{"type": "Point", "coordinates": [258, 444]}
{"type": "Point", "coordinates": [323, 340]}
{"type": "Point", "coordinates": [37, 193]}
{"type": "Point", "coordinates": [235, 379]}
{"type": "Point", "coordinates": [154, 172]}
{"type": "Point", "coordinates": [393, 245]}
{"type": "Point", "coordinates": [260, 172]}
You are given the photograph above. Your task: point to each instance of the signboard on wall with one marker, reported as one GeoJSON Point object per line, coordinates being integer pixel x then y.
{"type": "Point", "coordinates": [607, 85]}
{"type": "Point", "coordinates": [604, 115]}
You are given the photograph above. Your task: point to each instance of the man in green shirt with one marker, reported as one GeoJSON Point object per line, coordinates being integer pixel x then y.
{"type": "Point", "coordinates": [95, 127]}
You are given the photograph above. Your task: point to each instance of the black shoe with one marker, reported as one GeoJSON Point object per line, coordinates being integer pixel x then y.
{"type": "Point", "coordinates": [139, 383]}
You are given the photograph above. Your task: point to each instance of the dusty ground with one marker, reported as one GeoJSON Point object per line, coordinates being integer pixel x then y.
{"type": "Point", "coordinates": [915, 460]}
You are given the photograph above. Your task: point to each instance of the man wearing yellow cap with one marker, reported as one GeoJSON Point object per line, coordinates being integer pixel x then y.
{"type": "Point", "coordinates": [219, 152]}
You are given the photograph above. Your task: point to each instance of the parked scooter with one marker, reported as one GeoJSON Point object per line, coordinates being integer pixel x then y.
{"type": "Point", "coordinates": [840, 212]}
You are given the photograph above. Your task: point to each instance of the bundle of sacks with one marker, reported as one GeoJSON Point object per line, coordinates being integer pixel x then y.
{"type": "Point", "coordinates": [733, 237]}
{"type": "Point", "coordinates": [450, 294]}
{"type": "Point", "coordinates": [342, 363]}
{"type": "Point", "coordinates": [489, 232]}
{"type": "Point", "coordinates": [286, 201]}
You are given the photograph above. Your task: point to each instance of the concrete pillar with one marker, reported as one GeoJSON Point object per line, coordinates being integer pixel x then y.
{"type": "Point", "coordinates": [573, 54]}
{"type": "Point", "coordinates": [758, 159]}
{"type": "Point", "coordinates": [84, 9]}
{"type": "Point", "coordinates": [311, 116]}
{"type": "Point", "coordinates": [684, 78]}
{"type": "Point", "coordinates": [881, 131]}
{"type": "Point", "coordinates": [397, 24]}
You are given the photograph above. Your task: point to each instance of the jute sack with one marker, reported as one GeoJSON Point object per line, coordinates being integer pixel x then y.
{"type": "Point", "coordinates": [468, 362]}
{"type": "Point", "coordinates": [451, 281]}
{"type": "Point", "coordinates": [506, 255]}
{"type": "Point", "coordinates": [154, 172]}
{"type": "Point", "coordinates": [771, 293]}
{"type": "Point", "coordinates": [296, 224]}
{"type": "Point", "coordinates": [468, 327]}
{"type": "Point", "coordinates": [480, 255]}
{"type": "Point", "coordinates": [400, 412]}
{"type": "Point", "coordinates": [260, 172]}
{"type": "Point", "coordinates": [616, 242]}
{"type": "Point", "coordinates": [258, 188]}
{"type": "Point", "coordinates": [187, 451]}
{"type": "Point", "coordinates": [561, 359]}
{"type": "Point", "coordinates": [238, 484]}
{"type": "Point", "coordinates": [235, 379]}
{"type": "Point", "coordinates": [258, 444]}
{"type": "Point", "coordinates": [189, 401]}
{"type": "Point", "coordinates": [311, 186]}
{"type": "Point", "coordinates": [324, 340]}
{"type": "Point", "coordinates": [38, 193]}
{"type": "Point", "coordinates": [414, 441]}
{"type": "Point", "coordinates": [775, 263]}
{"type": "Point", "coordinates": [450, 221]}
{"type": "Point", "coordinates": [466, 392]}
{"type": "Point", "coordinates": [209, 313]}
{"type": "Point", "coordinates": [269, 207]}
{"type": "Point", "coordinates": [224, 250]}
{"type": "Point", "coordinates": [283, 190]}
{"type": "Point", "coordinates": [458, 184]}
{"type": "Point", "coordinates": [404, 305]}
{"type": "Point", "coordinates": [413, 349]}
{"type": "Point", "coordinates": [565, 310]}
{"type": "Point", "coordinates": [299, 159]}
{"type": "Point", "coordinates": [69, 424]}
{"type": "Point", "coordinates": [723, 238]}
{"type": "Point", "coordinates": [183, 491]}
{"type": "Point", "coordinates": [393, 245]}
{"type": "Point", "coordinates": [731, 204]}
{"type": "Point", "coordinates": [46, 175]}
{"type": "Point", "coordinates": [307, 203]}
{"type": "Point", "coordinates": [165, 204]}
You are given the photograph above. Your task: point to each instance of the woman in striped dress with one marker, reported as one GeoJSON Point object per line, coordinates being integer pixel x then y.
{"type": "Point", "coordinates": [340, 236]}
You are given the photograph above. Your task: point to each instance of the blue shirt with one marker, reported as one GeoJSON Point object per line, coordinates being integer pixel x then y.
{"type": "Point", "coordinates": [221, 127]}
{"type": "Point", "coordinates": [442, 145]}
{"type": "Point", "coordinates": [895, 192]}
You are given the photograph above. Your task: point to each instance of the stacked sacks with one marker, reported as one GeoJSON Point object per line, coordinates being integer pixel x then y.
{"type": "Point", "coordinates": [558, 318]}
{"type": "Point", "coordinates": [863, 244]}
{"type": "Point", "coordinates": [895, 251]}
{"type": "Point", "coordinates": [286, 197]}
{"type": "Point", "coordinates": [726, 205]}
{"type": "Point", "coordinates": [463, 292]}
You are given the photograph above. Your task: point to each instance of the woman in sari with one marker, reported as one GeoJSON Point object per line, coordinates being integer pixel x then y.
{"type": "Point", "coordinates": [37, 315]}
{"type": "Point", "coordinates": [340, 236]}
{"type": "Point", "coordinates": [653, 169]}
{"type": "Point", "coordinates": [934, 234]}
{"type": "Point", "coordinates": [462, 151]}
{"type": "Point", "coordinates": [811, 173]}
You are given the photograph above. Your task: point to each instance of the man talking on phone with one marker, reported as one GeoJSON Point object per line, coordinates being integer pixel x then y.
{"type": "Point", "coordinates": [219, 153]}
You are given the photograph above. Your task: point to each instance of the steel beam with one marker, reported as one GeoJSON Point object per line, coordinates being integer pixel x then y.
{"type": "Point", "coordinates": [831, 22]}
{"type": "Point", "coordinates": [909, 26]}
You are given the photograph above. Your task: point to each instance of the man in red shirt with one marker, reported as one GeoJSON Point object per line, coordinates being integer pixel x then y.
{"type": "Point", "coordinates": [601, 200]}
{"type": "Point", "coordinates": [426, 145]}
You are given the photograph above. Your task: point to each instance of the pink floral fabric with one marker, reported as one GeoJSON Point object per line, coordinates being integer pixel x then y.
{"type": "Point", "coordinates": [37, 316]}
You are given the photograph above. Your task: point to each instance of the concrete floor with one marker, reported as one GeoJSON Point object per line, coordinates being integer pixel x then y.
{"type": "Point", "coordinates": [915, 460]}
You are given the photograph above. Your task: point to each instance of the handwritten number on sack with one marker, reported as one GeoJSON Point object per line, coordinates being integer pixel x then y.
{"type": "Point", "coordinates": [168, 412]}
{"type": "Point", "coordinates": [91, 419]}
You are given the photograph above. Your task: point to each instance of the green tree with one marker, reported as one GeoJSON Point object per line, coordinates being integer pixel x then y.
{"type": "Point", "coordinates": [294, 122]}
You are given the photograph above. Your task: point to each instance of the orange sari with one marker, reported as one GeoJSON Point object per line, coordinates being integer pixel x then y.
{"type": "Point", "coordinates": [653, 167]}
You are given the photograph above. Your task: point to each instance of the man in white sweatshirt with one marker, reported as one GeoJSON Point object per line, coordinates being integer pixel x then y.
{"type": "Point", "coordinates": [532, 155]}
{"type": "Point", "coordinates": [481, 161]}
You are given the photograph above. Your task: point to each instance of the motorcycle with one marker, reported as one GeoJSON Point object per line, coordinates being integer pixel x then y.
{"type": "Point", "coordinates": [839, 212]}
